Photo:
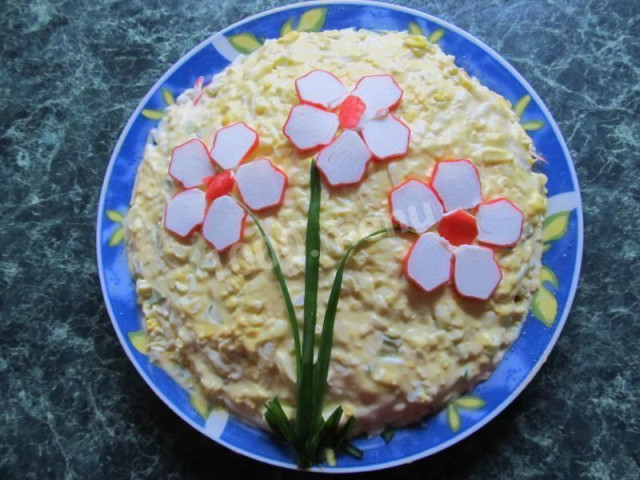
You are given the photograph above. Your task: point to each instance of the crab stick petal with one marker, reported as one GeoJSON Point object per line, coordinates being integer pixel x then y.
{"type": "Point", "coordinates": [309, 127]}
{"type": "Point", "coordinates": [261, 185]}
{"type": "Point", "coordinates": [458, 227]}
{"type": "Point", "coordinates": [345, 160]}
{"type": "Point", "coordinates": [476, 272]}
{"type": "Point", "coordinates": [499, 222]}
{"type": "Point", "coordinates": [220, 185]}
{"type": "Point", "coordinates": [386, 137]}
{"type": "Point", "coordinates": [185, 212]}
{"type": "Point", "coordinates": [233, 144]}
{"type": "Point", "coordinates": [321, 89]}
{"type": "Point", "coordinates": [190, 164]}
{"type": "Point", "coordinates": [413, 205]}
{"type": "Point", "coordinates": [224, 223]}
{"type": "Point", "coordinates": [198, 88]}
{"type": "Point", "coordinates": [457, 183]}
{"type": "Point", "coordinates": [380, 93]}
{"type": "Point", "coordinates": [428, 262]}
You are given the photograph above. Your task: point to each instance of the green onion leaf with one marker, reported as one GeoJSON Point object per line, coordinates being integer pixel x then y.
{"type": "Point", "coordinates": [278, 421]}
{"type": "Point", "coordinates": [309, 434]}
{"type": "Point", "coordinates": [327, 432]}
{"type": "Point", "coordinates": [388, 433]}
{"type": "Point", "coordinates": [345, 433]}
{"type": "Point", "coordinates": [306, 423]}
{"type": "Point", "coordinates": [354, 451]}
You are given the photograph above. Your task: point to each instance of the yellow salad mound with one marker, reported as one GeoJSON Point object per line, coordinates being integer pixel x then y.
{"type": "Point", "coordinates": [217, 322]}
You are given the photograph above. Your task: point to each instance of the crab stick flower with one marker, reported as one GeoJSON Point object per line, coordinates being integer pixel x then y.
{"type": "Point", "coordinates": [456, 230]}
{"type": "Point", "coordinates": [361, 118]}
{"type": "Point", "coordinates": [209, 178]}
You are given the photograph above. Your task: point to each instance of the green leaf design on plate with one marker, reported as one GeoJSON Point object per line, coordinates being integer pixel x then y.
{"type": "Point", "coordinates": [287, 27]}
{"type": "Point", "coordinates": [244, 42]}
{"type": "Point", "coordinates": [200, 405]}
{"type": "Point", "coordinates": [533, 125]}
{"type": "Point", "coordinates": [555, 226]}
{"type": "Point", "coordinates": [153, 114]}
{"type": "Point", "coordinates": [544, 306]}
{"type": "Point", "coordinates": [167, 96]}
{"type": "Point", "coordinates": [116, 237]}
{"type": "Point", "coordinates": [140, 341]}
{"type": "Point", "coordinates": [415, 29]}
{"type": "Point", "coordinates": [435, 37]}
{"type": "Point", "coordinates": [115, 216]}
{"type": "Point", "coordinates": [312, 20]}
{"type": "Point", "coordinates": [521, 105]}
{"type": "Point", "coordinates": [453, 417]}
{"type": "Point", "coordinates": [548, 276]}
{"type": "Point", "coordinates": [469, 402]}
{"type": "Point", "coordinates": [546, 247]}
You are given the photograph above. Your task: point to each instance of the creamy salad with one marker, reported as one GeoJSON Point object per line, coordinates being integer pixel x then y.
{"type": "Point", "coordinates": [217, 321]}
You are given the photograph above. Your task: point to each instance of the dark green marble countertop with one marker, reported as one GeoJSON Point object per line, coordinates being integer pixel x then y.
{"type": "Point", "coordinates": [71, 404]}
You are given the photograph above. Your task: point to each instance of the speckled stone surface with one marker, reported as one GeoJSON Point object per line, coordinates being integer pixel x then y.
{"type": "Point", "coordinates": [71, 404]}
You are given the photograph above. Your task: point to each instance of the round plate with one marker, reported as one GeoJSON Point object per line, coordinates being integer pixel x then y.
{"type": "Point", "coordinates": [563, 232]}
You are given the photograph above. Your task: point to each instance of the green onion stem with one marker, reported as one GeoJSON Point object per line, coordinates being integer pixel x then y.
{"type": "Point", "coordinates": [304, 424]}
{"type": "Point", "coordinates": [309, 434]}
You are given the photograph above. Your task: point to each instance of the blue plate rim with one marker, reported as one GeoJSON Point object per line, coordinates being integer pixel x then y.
{"type": "Point", "coordinates": [560, 322]}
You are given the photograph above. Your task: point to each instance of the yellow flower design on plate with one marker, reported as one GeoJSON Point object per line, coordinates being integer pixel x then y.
{"type": "Point", "coordinates": [168, 98]}
{"type": "Point", "coordinates": [117, 236]}
{"type": "Point", "coordinates": [433, 37]}
{"type": "Point", "coordinates": [310, 21]}
{"type": "Point", "coordinates": [466, 402]}
{"type": "Point", "coordinates": [544, 304]}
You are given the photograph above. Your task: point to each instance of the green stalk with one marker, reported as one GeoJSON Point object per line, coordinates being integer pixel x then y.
{"type": "Point", "coordinates": [277, 270]}
{"type": "Point", "coordinates": [326, 431]}
{"type": "Point", "coordinates": [278, 421]}
{"type": "Point", "coordinates": [304, 425]}
{"type": "Point", "coordinates": [326, 340]}
{"type": "Point", "coordinates": [309, 434]}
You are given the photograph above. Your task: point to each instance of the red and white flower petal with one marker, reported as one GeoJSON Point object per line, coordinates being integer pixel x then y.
{"type": "Point", "coordinates": [310, 127]}
{"type": "Point", "coordinates": [321, 88]}
{"type": "Point", "coordinates": [429, 262]}
{"type": "Point", "coordinates": [220, 185]}
{"type": "Point", "coordinates": [386, 137]}
{"type": "Point", "coordinates": [185, 212]}
{"type": "Point", "coordinates": [476, 272]}
{"type": "Point", "coordinates": [344, 161]}
{"type": "Point", "coordinates": [415, 206]}
{"type": "Point", "coordinates": [261, 184]}
{"type": "Point", "coordinates": [458, 227]}
{"type": "Point", "coordinates": [499, 222]}
{"type": "Point", "coordinates": [457, 183]}
{"type": "Point", "coordinates": [224, 223]}
{"type": "Point", "coordinates": [351, 112]}
{"type": "Point", "coordinates": [190, 163]}
{"type": "Point", "coordinates": [381, 93]}
{"type": "Point", "coordinates": [233, 144]}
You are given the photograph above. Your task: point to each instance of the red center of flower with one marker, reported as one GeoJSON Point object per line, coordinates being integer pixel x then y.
{"type": "Point", "coordinates": [220, 185]}
{"type": "Point", "coordinates": [458, 227]}
{"type": "Point", "coordinates": [351, 111]}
